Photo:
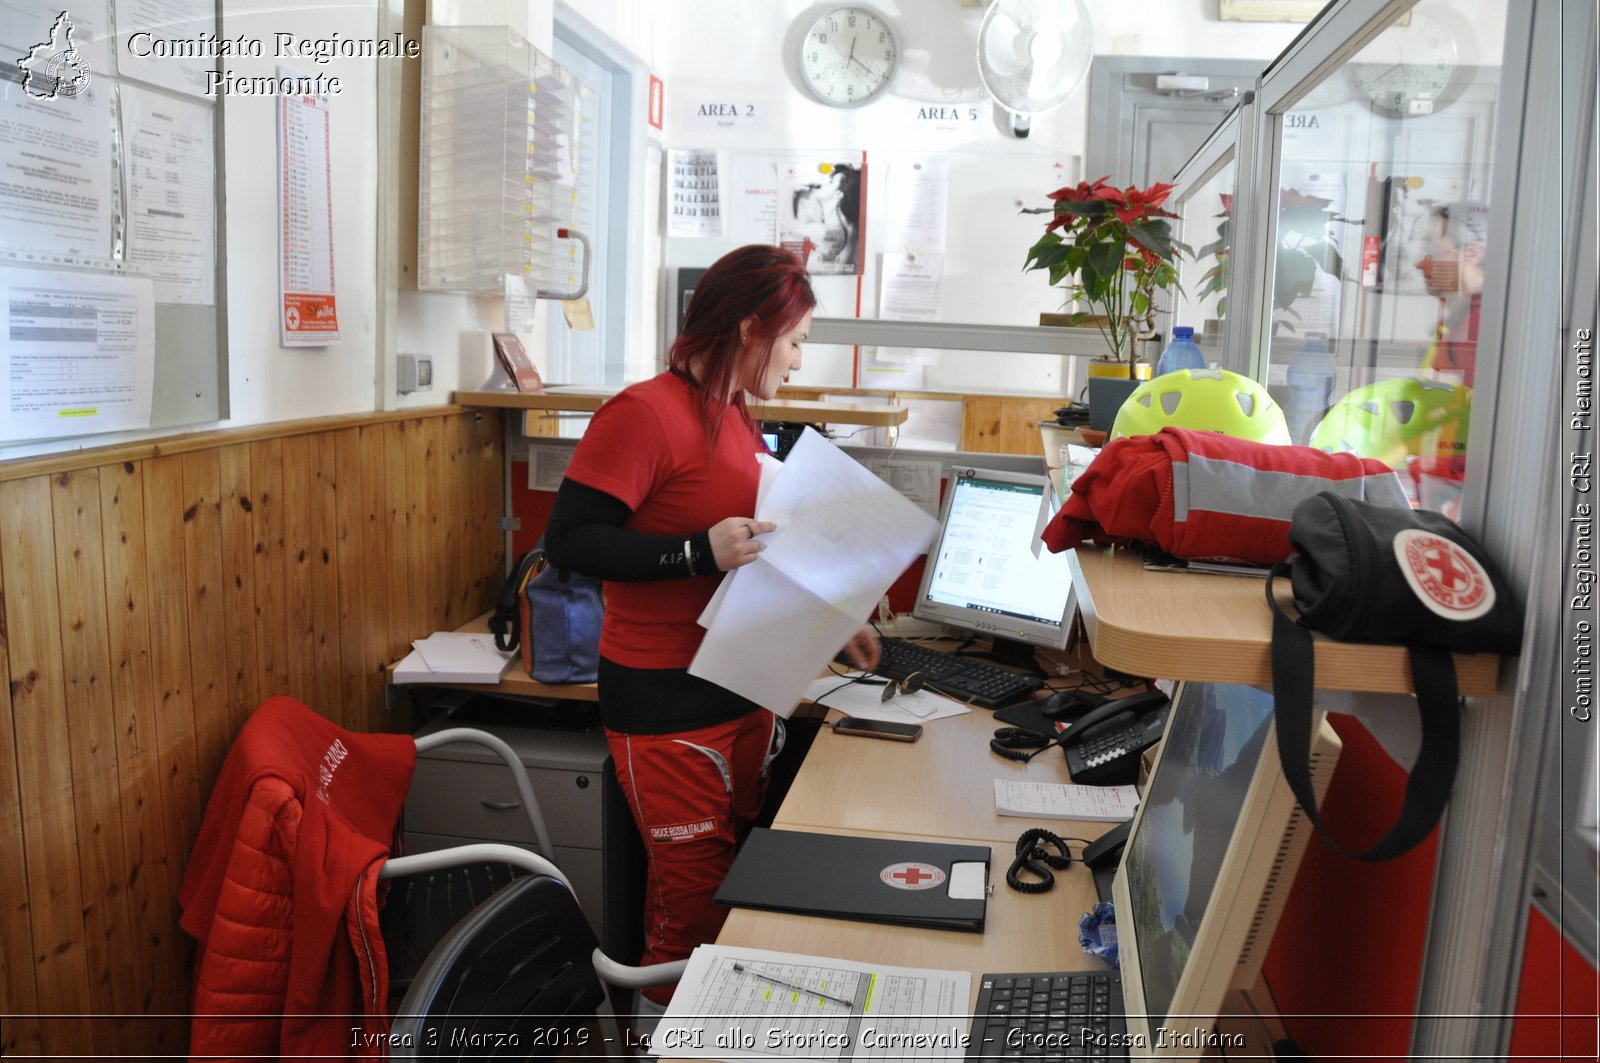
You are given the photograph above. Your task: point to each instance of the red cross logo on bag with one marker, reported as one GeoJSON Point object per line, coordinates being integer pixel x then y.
{"type": "Point", "coordinates": [912, 876]}
{"type": "Point", "coordinates": [1447, 579]}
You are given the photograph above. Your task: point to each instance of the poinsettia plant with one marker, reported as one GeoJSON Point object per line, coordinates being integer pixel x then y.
{"type": "Point", "coordinates": [1112, 249]}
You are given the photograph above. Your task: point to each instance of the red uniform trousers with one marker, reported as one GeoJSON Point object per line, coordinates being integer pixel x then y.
{"type": "Point", "coordinates": [694, 795]}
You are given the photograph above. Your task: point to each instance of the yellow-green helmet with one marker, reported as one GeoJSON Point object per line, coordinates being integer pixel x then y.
{"type": "Point", "coordinates": [1393, 420]}
{"type": "Point", "coordinates": [1207, 400]}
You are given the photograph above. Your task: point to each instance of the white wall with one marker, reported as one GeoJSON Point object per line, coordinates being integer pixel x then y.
{"type": "Point", "coordinates": [715, 49]}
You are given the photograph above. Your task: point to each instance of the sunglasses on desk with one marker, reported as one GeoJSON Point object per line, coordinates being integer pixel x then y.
{"type": "Point", "coordinates": [909, 685]}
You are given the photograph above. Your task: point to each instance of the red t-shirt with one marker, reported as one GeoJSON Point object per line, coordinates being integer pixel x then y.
{"type": "Point", "coordinates": [646, 447]}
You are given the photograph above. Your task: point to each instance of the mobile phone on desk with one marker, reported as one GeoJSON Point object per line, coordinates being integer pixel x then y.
{"type": "Point", "coordinates": [898, 732]}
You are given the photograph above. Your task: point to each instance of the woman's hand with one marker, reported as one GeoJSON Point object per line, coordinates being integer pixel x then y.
{"type": "Point", "coordinates": [734, 543]}
{"type": "Point", "coordinates": [862, 649]}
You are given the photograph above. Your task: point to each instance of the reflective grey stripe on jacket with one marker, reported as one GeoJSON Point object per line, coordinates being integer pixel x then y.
{"type": "Point", "coordinates": [1216, 485]}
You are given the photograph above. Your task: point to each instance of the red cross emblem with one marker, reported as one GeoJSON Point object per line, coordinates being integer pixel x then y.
{"type": "Point", "coordinates": [911, 875]}
{"type": "Point", "coordinates": [1447, 579]}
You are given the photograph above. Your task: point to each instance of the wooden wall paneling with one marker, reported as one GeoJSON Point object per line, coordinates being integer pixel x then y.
{"type": "Point", "coordinates": [208, 613]}
{"type": "Point", "coordinates": [44, 762]}
{"type": "Point", "coordinates": [239, 585]}
{"type": "Point", "coordinates": [1005, 425]}
{"type": "Point", "coordinates": [400, 501]}
{"type": "Point", "coordinates": [18, 988]}
{"type": "Point", "coordinates": [324, 577]}
{"type": "Point", "coordinates": [155, 949]}
{"type": "Point", "coordinates": [271, 574]}
{"type": "Point", "coordinates": [350, 529]}
{"type": "Point", "coordinates": [431, 524]}
{"type": "Point", "coordinates": [92, 747]}
{"type": "Point", "coordinates": [488, 542]}
{"type": "Point", "coordinates": [377, 573]}
{"type": "Point", "coordinates": [297, 506]}
{"type": "Point", "coordinates": [459, 512]}
{"type": "Point", "coordinates": [170, 653]}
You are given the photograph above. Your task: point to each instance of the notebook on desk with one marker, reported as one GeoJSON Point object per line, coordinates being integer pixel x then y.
{"type": "Point", "coordinates": [878, 880]}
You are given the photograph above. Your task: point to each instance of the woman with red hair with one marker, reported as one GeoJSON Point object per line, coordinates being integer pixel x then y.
{"type": "Point", "coordinates": [658, 501]}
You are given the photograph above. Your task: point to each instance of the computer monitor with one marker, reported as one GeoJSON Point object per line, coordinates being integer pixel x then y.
{"type": "Point", "coordinates": [982, 574]}
{"type": "Point", "coordinates": [1209, 863]}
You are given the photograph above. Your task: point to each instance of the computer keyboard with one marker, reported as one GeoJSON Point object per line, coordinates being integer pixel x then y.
{"type": "Point", "coordinates": [1062, 1015]}
{"type": "Point", "coordinates": [965, 678]}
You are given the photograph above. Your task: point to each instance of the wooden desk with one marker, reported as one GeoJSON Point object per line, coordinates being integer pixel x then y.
{"type": "Point", "coordinates": [517, 682]}
{"type": "Point", "coordinates": [1023, 931]}
{"type": "Point", "coordinates": [938, 786]}
{"type": "Point", "coordinates": [589, 399]}
{"type": "Point", "coordinates": [1218, 629]}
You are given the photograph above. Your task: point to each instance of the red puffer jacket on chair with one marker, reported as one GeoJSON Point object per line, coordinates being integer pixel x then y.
{"type": "Point", "coordinates": [281, 890]}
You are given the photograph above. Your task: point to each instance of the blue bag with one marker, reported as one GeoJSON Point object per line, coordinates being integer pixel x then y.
{"type": "Point", "coordinates": [563, 631]}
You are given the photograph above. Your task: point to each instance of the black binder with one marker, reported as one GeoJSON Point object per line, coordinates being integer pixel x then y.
{"type": "Point", "coordinates": [878, 880]}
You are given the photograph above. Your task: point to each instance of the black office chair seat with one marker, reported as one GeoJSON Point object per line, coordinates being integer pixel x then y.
{"type": "Point", "coordinates": [513, 978]}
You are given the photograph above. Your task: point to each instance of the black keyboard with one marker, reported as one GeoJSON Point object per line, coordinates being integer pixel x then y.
{"type": "Point", "coordinates": [1065, 1015]}
{"type": "Point", "coordinates": [965, 678]}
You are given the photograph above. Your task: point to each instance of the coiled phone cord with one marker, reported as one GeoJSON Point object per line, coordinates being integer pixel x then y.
{"type": "Point", "coordinates": [1034, 858]}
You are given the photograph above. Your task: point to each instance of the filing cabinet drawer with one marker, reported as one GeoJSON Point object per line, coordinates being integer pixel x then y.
{"type": "Point", "coordinates": [581, 866]}
{"type": "Point", "coordinates": [462, 799]}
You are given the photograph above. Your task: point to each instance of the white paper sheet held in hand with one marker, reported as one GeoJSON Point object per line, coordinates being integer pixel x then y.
{"type": "Point", "coordinates": [843, 536]}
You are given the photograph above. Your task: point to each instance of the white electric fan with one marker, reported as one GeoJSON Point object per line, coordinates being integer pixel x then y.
{"type": "Point", "coordinates": [1033, 54]}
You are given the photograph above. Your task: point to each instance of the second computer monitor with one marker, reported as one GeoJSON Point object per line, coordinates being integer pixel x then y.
{"type": "Point", "coordinates": [982, 574]}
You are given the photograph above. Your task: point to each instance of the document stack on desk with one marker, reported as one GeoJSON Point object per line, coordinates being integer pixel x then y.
{"type": "Point", "coordinates": [452, 657]}
{"type": "Point", "coordinates": [738, 1003]}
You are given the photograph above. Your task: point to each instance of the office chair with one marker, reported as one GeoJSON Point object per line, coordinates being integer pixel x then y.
{"type": "Point", "coordinates": [512, 966]}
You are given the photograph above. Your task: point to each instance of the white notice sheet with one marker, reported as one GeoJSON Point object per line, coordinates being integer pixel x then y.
{"type": "Point", "coordinates": [738, 1003]}
{"type": "Point", "coordinates": [308, 315]}
{"type": "Point", "coordinates": [171, 154]}
{"type": "Point", "coordinates": [843, 536]}
{"type": "Point", "coordinates": [166, 19]}
{"type": "Point", "coordinates": [55, 173]}
{"type": "Point", "coordinates": [78, 353]}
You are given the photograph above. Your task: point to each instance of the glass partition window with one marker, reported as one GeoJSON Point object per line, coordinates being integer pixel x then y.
{"type": "Point", "coordinates": [1381, 223]}
{"type": "Point", "coordinates": [1208, 227]}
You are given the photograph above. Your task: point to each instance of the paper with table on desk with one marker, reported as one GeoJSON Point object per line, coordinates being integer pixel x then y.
{"type": "Point", "coordinates": [454, 656]}
{"type": "Point", "coordinates": [737, 1003]}
{"type": "Point", "coordinates": [1055, 800]}
{"type": "Point", "coordinates": [843, 536]}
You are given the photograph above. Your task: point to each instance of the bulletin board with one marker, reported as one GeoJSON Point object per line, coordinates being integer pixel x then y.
{"type": "Point", "coordinates": [112, 276]}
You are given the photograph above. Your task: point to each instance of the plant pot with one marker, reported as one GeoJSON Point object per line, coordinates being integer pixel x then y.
{"type": "Point", "coordinates": [1105, 367]}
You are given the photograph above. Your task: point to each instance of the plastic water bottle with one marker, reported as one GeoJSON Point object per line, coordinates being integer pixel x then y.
{"type": "Point", "coordinates": [1311, 375]}
{"type": "Point", "coordinates": [1181, 353]}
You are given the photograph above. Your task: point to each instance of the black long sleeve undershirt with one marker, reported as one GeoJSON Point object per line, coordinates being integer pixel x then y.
{"type": "Point", "coordinates": [586, 534]}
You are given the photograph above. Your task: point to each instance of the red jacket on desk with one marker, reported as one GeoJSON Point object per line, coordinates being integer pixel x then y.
{"type": "Point", "coordinates": [1207, 495]}
{"type": "Point", "coordinates": [281, 890]}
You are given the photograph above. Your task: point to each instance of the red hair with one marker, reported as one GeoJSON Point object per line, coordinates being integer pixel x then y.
{"type": "Point", "coordinates": [756, 281]}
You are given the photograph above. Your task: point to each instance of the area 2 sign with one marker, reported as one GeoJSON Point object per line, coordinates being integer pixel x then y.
{"type": "Point", "coordinates": [730, 111]}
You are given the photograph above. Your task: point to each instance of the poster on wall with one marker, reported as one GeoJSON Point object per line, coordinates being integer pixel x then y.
{"type": "Point", "coordinates": [695, 208]}
{"type": "Point", "coordinates": [307, 313]}
{"type": "Point", "coordinates": [170, 157]}
{"type": "Point", "coordinates": [819, 213]}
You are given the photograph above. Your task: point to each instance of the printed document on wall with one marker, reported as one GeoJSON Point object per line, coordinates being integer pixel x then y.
{"type": "Point", "coordinates": [55, 173]}
{"type": "Point", "coordinates": [78, 355]}
{"type": "Point", "coordinates": [308, 315]}
{"type": "Point", "coordinates": [163, 20]}
{"type": "Point", "coordinates": [696, 208]}
{"type": "Point", "coordinates": [171, 154]}
{"type": "Point", "coordinates": [34, 32]}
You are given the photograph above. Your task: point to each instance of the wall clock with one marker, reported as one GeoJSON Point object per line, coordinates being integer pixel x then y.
{"type": "Point", "coordinates": [1409, 71]}
{"type": "Point", "coordinates": [849, 56]}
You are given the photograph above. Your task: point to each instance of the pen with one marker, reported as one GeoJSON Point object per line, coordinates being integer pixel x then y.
{"type": "Point", "coordinates": [742, 969]}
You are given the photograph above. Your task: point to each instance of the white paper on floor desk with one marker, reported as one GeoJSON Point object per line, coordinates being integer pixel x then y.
{"type": "Point", "coordinates": [773, 1009]}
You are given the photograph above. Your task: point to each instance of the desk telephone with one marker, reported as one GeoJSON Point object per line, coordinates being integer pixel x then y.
{"type": "Point", "coordinates": [1103, 746]}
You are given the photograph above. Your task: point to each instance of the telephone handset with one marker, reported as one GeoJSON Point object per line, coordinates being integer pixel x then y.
{"type": "Point", "coordinates": [1103, 746]}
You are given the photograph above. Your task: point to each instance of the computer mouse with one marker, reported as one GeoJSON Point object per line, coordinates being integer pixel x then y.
{"type": "Point", "coordinates": [1064, 703]}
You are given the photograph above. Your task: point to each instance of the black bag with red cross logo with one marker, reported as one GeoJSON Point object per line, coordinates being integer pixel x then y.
{"type": "Point", "coordinates": [1365, 573]}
